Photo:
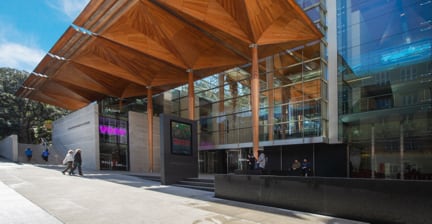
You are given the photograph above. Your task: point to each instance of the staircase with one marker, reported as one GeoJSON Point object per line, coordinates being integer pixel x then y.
{"type": "Point", "coordinates": [148, 177]}
{"type": "Point", "coordinates": [197, 183]}
{"type": "Point", "coordinates": [204, 184]}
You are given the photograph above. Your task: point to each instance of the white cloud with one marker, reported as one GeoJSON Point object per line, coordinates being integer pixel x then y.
{"type": "Point", "coordinates": [18, 50]}
{"type": "Point", "coordinates": [18, 56]}
{"type": "Point", "coordinates": [70, 8]}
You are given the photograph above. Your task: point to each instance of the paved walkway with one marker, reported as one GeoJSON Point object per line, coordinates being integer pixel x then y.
{"type": "Point", "coordinates": [42, 195]}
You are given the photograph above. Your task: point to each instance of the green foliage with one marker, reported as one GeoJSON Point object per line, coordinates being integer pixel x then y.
{"type": "Point", "coordinates": [23, 117]}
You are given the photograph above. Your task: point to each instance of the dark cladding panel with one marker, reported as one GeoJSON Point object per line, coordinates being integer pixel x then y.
{"type": "Point", "coordinates": [179, 149]}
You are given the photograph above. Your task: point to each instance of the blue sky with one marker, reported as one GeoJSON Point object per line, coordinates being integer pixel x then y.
{"type": "Point", "coordinates": [30, 28]}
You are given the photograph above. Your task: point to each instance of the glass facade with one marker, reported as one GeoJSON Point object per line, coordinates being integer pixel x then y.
{"type": "Point", "coordinates": [385, 87]}
{"type": "Point", "coordinates": [293, 101]}
{"type": "Point", "coordinates": [113, 136]}
{"type": "Point", "coordinates": [113, 128]}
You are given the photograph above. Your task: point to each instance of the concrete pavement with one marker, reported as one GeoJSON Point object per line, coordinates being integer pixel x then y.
{"type": "Point", "coordinates": [42, 195]}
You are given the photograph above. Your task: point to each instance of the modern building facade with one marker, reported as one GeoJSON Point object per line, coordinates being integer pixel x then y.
{"type": "Point", "coordinates": [357, 103]}
{"type": "Point", "coordinates": [360, 98]}
{"type": "Point", "coordinates": [384, 87]}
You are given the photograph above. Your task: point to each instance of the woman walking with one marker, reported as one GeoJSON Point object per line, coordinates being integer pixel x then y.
{"type": "Point", "coordinates": [68, 161]}
{"type": "Point", "coordinates": [77, 162]}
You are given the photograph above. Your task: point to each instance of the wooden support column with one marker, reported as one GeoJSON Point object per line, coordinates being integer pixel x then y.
{"type": "Point", "coordinates": [191, 95]}
{"type": "Point", "coordinates": [255, 99]}
{"type": "Point", "coordinates": [150, 127]}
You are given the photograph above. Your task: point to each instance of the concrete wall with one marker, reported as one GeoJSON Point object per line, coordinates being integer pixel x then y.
{"type": "Point", "coordinates": [54, 158]}
{"type": "Point", "coordinates": [138, 143]}
{"type": "Point", "coordinates": [9, 148]}
{"type": "Point", "coordinates": [79, 129]}
{"type": "Point", "coordinates": [375, 201]}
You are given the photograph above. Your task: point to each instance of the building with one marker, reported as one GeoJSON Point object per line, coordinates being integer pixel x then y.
{"type": "Point", "coordinates": [356, 101]}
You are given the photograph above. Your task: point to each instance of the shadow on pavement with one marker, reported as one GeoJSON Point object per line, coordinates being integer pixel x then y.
{"type": "Point", "coordinates": [137, 181]}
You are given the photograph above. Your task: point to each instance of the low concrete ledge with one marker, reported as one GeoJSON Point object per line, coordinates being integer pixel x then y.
{"type": "Point", "coordinates": [376, 201]}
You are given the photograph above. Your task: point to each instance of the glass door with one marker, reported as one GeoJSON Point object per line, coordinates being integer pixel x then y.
{"type": "Point", "coordinates": [236, 160]}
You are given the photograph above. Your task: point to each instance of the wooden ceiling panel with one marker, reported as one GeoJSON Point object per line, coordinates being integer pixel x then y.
{"type": "Point", "coordinates": [72, 75]}
{"type": "Point", "coordinates": [108, 67]}
{"type": "Point", "coordinates": [119, 48]}
{"type": "Point", "coordinates": [269, 22]}
{"type": "Point", "coordinates": [152, 31]}
{"type": "Point", "coordinates": [138, 30]}
{"type": "Point", "coordinates": [55, 90]}
{"type": "Point", "coordinates": [84, 92]}
{"type": "Point", "coordinates": [67, 103]}
{"type": "Point", "coordinates": [133, 90]}
{"type": "Point", "coordinates": [114, 84]}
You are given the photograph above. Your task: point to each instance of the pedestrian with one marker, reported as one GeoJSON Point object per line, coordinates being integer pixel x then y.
{"type": "Point", "coordinates": [29, 154]}
{"type": "Point", "coordinates": [251, 161]}
{"type": "Point", "coordinates": [77, 162]}
{"type": "Point", "coordinates": [295, 167]}
{"type": "Point", "coordinates": [306, 167]}
{"type": "Point", "coordinates": [68, 161]}
{"type": "Point", "coordinates": [45, 155]}
{"type": "Point", "coordinates": [261, 161]}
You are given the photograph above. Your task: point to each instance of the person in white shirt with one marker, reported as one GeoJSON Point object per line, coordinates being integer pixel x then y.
{"type": "Point", "coordinates": [261, 161]}
{"type": "Point", "coordinates": [68, 161]}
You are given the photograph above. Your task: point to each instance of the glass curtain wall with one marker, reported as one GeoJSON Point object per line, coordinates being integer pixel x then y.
{"type": "Point", "coordinates": [113, 136]}
{"type": "Point", "coordinates": [290, 99]}
{"type": "Point", "coordinates": [293, 99]}
{"type": "Point", "coordinates": [385, 87]}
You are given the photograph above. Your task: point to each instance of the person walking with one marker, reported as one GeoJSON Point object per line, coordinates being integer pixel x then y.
{"type": "Point", "coordinates": [45, 155]}
{"type": "Point", "coordinates": [68, 161]}
{"type": "Point", "coordinates": [29, 154]}
{"type": "Point", "coordinates": [77, 162]}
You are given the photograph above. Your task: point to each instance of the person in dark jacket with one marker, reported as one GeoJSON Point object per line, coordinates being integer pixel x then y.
{"type": "Point", "coordinates": [306, 168]}
{"type": "Point", "coordinates": [77, 162]}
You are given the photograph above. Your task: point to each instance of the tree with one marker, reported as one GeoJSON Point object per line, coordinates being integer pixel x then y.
{"type": "Point", "coordinates": [23, 117]}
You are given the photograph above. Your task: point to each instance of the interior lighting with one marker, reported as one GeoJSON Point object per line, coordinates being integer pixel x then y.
{"type": "Point", "coordinates": [407, 53]}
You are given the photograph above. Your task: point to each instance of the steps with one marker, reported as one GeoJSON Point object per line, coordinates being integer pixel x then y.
{"type": "Point", "coordinates": [197, 183]}
{"type": "Point", "coordinates": [148, 177]}
{"type": "Point", "coordinates": [193, 183]}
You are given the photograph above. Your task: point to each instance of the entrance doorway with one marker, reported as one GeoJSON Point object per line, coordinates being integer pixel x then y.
{"type": "Point", "coordinates": [113, 157]}
{"type": "Point", "coordinates": [212, 161]}
{"type": "Point", "coordinates": [236, 160]}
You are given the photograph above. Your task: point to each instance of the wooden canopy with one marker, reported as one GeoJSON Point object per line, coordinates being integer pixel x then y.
{"type": "Point", "coordinates": [121, 48]}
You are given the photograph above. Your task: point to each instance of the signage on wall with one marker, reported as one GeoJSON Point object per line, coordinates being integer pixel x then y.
{"type": "Point", "coordinates": [181, 138]}
{"type": "Point", "coordinates": [108, 130]}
